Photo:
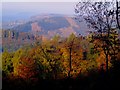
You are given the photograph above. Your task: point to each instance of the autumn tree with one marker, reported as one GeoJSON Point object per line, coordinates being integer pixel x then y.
{"type": "Point", "coordinates": [70, 45]}
{"type": "Point", "coordinates": [74, 48]}
{"type": "Point", "coordinates": [51, 57]}
{"type": "Point", "coordinates": [7, 64]}
{"type": "Point", "coordinates": [24, 65]}
{"type": "Point", "coordinates": [99, 17]}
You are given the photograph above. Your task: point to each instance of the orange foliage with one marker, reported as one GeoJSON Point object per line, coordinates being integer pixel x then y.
{"type": "Point", "coordinates": [26, 68]}
{"type": "Point", "coordinates": [101, 61]}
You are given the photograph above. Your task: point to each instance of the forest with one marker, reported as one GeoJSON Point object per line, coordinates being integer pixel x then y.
{"type": "Point", "coordinates": [75, 62]}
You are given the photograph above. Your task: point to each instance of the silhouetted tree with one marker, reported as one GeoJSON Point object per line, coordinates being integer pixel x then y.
{"type": "Point", "coordinates": [70, 43]}
{"type": "Point", "coordinates": [101, 18]}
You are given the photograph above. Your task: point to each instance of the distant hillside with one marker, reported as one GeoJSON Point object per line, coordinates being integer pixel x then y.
{"type": "Point", "coordinates": [50, 25]}
{"type": "Point", "coordinates": [41, 27]}
{"type": "Point", "coordinates": [13, 40]}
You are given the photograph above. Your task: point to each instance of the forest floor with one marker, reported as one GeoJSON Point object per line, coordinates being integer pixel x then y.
{"type": "Point", "coordinates": [102, 81]}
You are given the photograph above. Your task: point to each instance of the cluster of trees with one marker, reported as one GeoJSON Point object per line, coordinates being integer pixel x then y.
{"type": "Point", "coordinates": [55, 59]}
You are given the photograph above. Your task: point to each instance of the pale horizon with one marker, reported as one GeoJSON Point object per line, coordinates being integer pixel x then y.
{"type": "Point", "coordinates": [12, 9]}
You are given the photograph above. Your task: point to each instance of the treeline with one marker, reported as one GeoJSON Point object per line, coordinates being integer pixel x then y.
{"type": "Point", "coordinates": [60, 58]}
{"type": "Point", "coordinates": [54, 59]}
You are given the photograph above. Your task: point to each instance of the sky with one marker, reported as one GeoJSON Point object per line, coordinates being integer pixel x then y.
{"type": "Point", "coordinates": [42, 6]}
{"type": "Point", "coordinates": [14, 9]}
{"type": "Point", "coordinates": [38, 7]}
{"type": "Point", "coordinates": [48, 0]}
{"type": "Point", "coordinates": [40, 0]}
{"type": "Point", "coordinates": [11, 8]}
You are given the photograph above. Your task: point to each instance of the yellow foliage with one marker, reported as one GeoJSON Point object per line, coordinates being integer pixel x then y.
{"type": "Point", "coordinates": [101, 61]}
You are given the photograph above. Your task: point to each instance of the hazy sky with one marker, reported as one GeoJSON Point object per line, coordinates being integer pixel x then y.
{"type": "Point", "coordinates": [40, 0]}
{"type": "Point", "coordinates": [33, 7]}
{"type": "Point", "coordinates": [13, 10]}
{"type": "Point", "coordinates": [38, 7]}
{"type": "Point", "coordinates": [49, 0]}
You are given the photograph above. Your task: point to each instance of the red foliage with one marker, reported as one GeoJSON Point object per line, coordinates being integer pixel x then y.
{"type": "Point", "coordinates": [26, 69]}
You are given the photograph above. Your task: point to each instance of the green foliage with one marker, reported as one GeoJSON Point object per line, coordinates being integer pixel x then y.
{"type": "Point", "coordinates": [7, 64]}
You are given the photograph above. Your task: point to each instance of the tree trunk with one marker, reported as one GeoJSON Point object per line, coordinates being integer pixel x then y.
{"type": "Point", "coordinates": [70, 66]}
{"type": "Point", "coordinates": [117, 14]}
{"type": "Point", "coordinates": [106, 62]}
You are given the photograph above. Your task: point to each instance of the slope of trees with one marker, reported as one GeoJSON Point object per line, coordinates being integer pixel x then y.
{"type": "Point", "coordinates": [56, 59]}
